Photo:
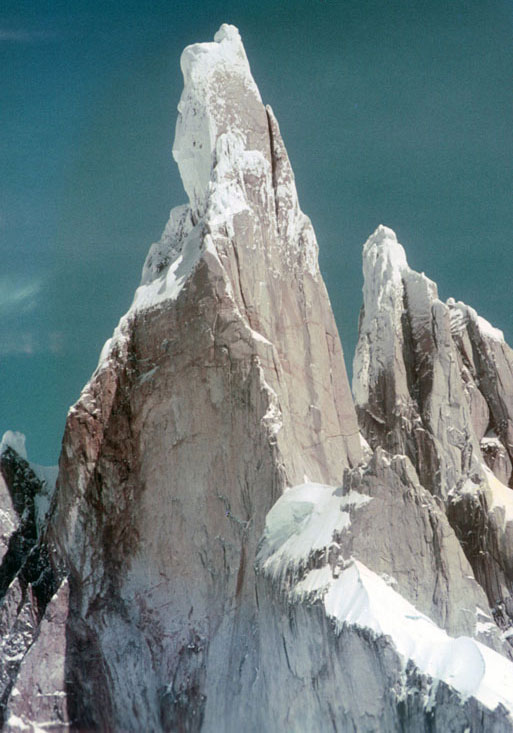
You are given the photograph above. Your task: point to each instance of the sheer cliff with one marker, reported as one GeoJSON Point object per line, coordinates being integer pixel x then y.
{"type": "Point", "coordinates": [231, 544]}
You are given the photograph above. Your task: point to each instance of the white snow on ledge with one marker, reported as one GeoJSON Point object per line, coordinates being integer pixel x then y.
{"type": "Point", "coordinates": [499, 497]}
{"type": "Point", "coordinates": [302, 521]}
{"type": "Point", "coordinates": [461, 314]}
{"type": "Point", "coordinates": [486, 329]}
{"type": "Point", "coordinates": [156, 288]}
{"type": "Point", "coordinates": [359, 597]}
{"type": "Point", "coordinates": [209, 71]}
{"type": "Point", "coordinates": [169, 285]}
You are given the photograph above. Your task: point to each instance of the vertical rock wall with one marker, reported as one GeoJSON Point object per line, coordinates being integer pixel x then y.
{"type": "Point", "coordinates": [223, 384]}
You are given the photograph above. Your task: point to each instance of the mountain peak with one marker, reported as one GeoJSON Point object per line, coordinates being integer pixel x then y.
{"type": "Point", "coordinates": [15, 440]}
{"type": "Point", "coordinates": [381, 234]}
{"type": "Point", "coordinates": [227, 32]}
{"type": "Point", "coordinates": [220, 100]}
{"type": "Point", "coordinates": [218, 514]}
{"type": "Point", "coordinates": [382, 247]}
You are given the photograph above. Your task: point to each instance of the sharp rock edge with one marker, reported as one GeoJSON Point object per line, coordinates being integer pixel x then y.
{"type": "Point", "coordinates": [225, 549]}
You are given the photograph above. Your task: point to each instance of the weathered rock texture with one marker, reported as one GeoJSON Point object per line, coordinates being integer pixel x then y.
{"type": "Point", "coordinates": [404, 533]}
{"type": "Point", "coordinates": [431, 380]}
{"type": "Point", "coordinates": [222, 556]}
{"type": "Point", "coordinates": [224, 383]}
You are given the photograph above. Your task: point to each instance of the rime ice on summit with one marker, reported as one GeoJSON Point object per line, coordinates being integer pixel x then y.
{"type": "Point", "coordinates": [224, 549]}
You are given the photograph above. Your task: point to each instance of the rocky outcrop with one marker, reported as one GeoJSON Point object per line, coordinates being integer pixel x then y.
{"type": "Point", "coordinates": [408, 390]}
{"type": "Point", "coordinates": [486, 364]}
{"type": "Point", "coordinates": [18, 531]}
{"type": "Point", "coordinates": [224, 551]}
{"type": "Point", "coordinates": [27, 580]}
{"type": "Point", "coordinates": [426, 565]}
{"type": "Point", "coordinates": [432, 381]}
{"type": "Point", "coordinates": [39, 692]}
{"type": "Point", "coordinates": [321, 674]}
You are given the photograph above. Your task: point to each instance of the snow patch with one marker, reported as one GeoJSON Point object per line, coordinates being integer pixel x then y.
{"type": "Point", "coordinates": [461, 314]}
{"type": "Point", "coordinates": [168, 266]}
{"type": "Point", "coordinates": [316, 581]}
{"type": "Point", "coordinates": [168, 285]}
{"type": "Point", "coordinates": [491, 441]}
{"type": "Point", "coordinates": [501, 496]}
{"type": "Point", "coordinates": [14, 440]}
{"type": "Point", "coordinates": [14, 722]}
{"type": "Point", "coordinates": [198, 128]}
{"type": "Point", "coordinates": [163, 252]}
{"type": "Point", "coordinates": [303, 520]}
{"type": "Point", "coordinates": [484, 622]}
{"type": "Point", "coordinates": [257, 336]}
{"type": "Point", "coordinates": [114, 344]}
{"type": "Point", "coordinates": [488, 331]}
{"type": "Point", "coordinates": [361, 598]}
{"type": "Point", "coordinates": [273, 418]}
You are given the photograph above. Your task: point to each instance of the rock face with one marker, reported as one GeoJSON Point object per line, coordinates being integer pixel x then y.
{"type": "Point", "coordinates": [223, 384]}
{"type": "Point", "coordinates": [433, 381]}
{"type": "Point", "coordinates": [224, 551]}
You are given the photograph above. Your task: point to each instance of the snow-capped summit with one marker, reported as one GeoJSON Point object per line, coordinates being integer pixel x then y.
{"type": "Point", "coordinates": [15, 440]}
{"type": "Point", "coordinates": [219, 100]}
{"type": "Point", "coordinates": [223, 384]}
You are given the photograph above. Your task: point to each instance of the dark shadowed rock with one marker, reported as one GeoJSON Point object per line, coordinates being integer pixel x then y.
{"type": "Point", "coordinates": [27, 580]}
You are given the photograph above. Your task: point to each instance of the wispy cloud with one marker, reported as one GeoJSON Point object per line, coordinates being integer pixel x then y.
{"type": "Point", "coordinates": [18, 295]}
{"type": "Point", "coordinates": [28, 343]}
{"type": "Point", "coordinates": [25, 35]}
{"type": "Point", "coordinates": [56, 342]}
{"type": "Point", "coordinates": [22, 330]}
{"type": "Point", "coordinates": [12, 344]}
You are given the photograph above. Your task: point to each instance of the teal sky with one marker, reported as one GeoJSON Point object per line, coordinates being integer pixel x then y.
{"type": "Point", "coordinates": [396, 112]}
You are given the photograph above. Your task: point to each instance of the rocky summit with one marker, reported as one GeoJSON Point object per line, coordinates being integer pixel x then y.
{"type": "Point", "coordinates": [234, 543]}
